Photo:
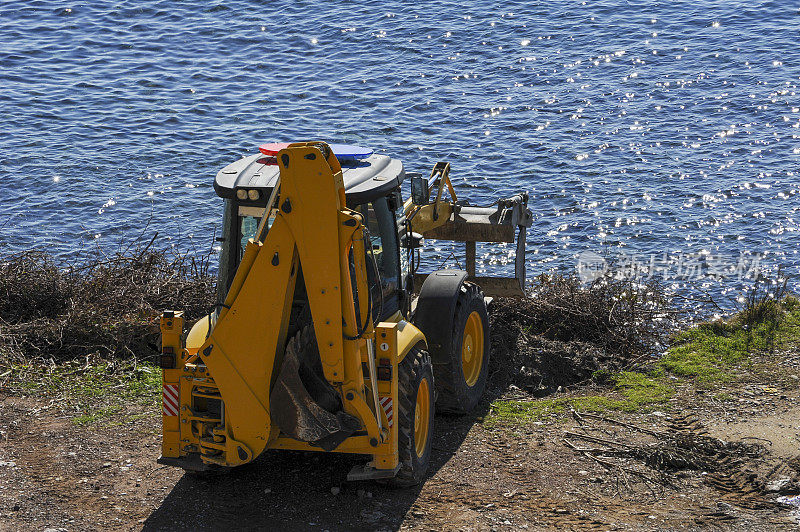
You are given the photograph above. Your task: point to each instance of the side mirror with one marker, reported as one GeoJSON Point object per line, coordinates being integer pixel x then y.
{"type": "Point", "coordinates": [419, 191]}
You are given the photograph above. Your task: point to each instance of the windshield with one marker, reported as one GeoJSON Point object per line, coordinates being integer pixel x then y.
{"type": "Point", "coordinates": [380, 222]}
{"type": "Point", "coordinates": [383, 234]}
{"type": "Point", "coordinates": [239, 226]}
{"type": "Point", "coordinates": [248, 225]}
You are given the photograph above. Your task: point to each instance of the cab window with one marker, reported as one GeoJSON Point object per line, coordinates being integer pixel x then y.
{"type": "Point", "coordinates": [380, 222]}
{"type": "Point", "coordinates": [248, 225]}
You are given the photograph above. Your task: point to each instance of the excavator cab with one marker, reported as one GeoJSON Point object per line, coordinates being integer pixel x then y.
{"type": "Point", "coordinates": [247, 184]}
{"type": "Point", "coordinates": [324, 336]}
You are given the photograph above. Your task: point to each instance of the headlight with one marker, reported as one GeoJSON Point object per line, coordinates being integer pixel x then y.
{"type": "Point", "coordinates": [241, 194]}
{"type": "Point", "coordinates": [253, 194]}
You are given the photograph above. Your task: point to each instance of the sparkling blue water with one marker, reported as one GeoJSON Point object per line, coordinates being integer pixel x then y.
{"type": "Point", "coordinates": [666, 130]}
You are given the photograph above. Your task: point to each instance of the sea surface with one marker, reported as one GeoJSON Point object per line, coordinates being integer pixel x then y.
{"type": "Point", "coordinates": [660, 136]}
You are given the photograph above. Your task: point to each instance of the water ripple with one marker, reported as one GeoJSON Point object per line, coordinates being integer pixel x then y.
{"type": "Point", "coordinates": [651, 127]}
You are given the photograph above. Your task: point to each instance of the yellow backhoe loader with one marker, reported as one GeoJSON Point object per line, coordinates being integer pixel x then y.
{"type": "Point", "coordinates": [325, 337]}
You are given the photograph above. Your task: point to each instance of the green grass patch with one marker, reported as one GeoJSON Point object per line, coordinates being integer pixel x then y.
{"type": "Point", "coordinates": [98, 391]}
{"type": "Point", "coordinates": [97, 415]}
{"type": "Point", "coordinates": [717, 351]}
{"type": "Point", "coordinates": [633, 391]}
{"type": "Point", "coordinates": [723, 397]}
{"type": "Point", "coordinates": [640, 389]}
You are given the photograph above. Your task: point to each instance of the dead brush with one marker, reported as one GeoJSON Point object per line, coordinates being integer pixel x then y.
{"type": "Point", "coordinates": [106, 304]}
{"type": "Point", "coordinates": [566, 332]}
{"type": "Point", "coordinates": [32, 286]}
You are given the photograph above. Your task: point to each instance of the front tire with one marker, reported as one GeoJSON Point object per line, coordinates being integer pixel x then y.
{"type": "Point", "coordinates": [416, 398]}
{"type": "Point", "coordinates": [461, 377]}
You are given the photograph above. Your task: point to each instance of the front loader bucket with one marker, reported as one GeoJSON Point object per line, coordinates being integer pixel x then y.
{"type": "Point", "coordinates": [510, 219]}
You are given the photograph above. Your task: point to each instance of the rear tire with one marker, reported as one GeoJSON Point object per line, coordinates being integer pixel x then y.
{"type": "Point", "coordinates": [415, 417]}
{"type": "Point", "coordinates": [461, 377]}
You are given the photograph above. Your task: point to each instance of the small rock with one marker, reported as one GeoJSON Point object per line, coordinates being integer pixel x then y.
{"type": "Point", "coordinates": [776, 486]}
{"type": "Point", "coordinates": [360, 493]}
{"type": "Point", "coordinates": [107, 464]}
{"type": "Point", "coordinates": [335, 490]}
{"type": "Point", "coordinates": [596, 480]}
{"type": "Point", "coordinates": [792, 502]}
{"type": "Point", "coordinates": [267, 490]}
{"type": "Point", "coordinates": [16, 508]}
{"type": "Point", "coordinates": [583, 472]}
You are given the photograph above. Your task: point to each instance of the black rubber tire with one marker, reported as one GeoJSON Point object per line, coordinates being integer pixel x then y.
{"type": "Point", "coordinates": [415, 367]}
{"type": "Point", "coordinates": [454, 395]}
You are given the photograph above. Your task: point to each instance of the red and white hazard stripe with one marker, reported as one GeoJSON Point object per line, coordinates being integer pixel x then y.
{"type": "Point", "coordinates": [171, 401]}
{"type": "Point", "coordinates": [386, 404]}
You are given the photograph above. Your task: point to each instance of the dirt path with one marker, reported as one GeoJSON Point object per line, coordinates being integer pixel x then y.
{"type": "Point", "coordinates": [62, 476]}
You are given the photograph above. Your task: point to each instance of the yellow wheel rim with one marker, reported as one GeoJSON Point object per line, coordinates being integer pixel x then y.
{"type": "Point", "coordinates": [472, 349]}
{"type": "Point", "coordinates": [422, 421]}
